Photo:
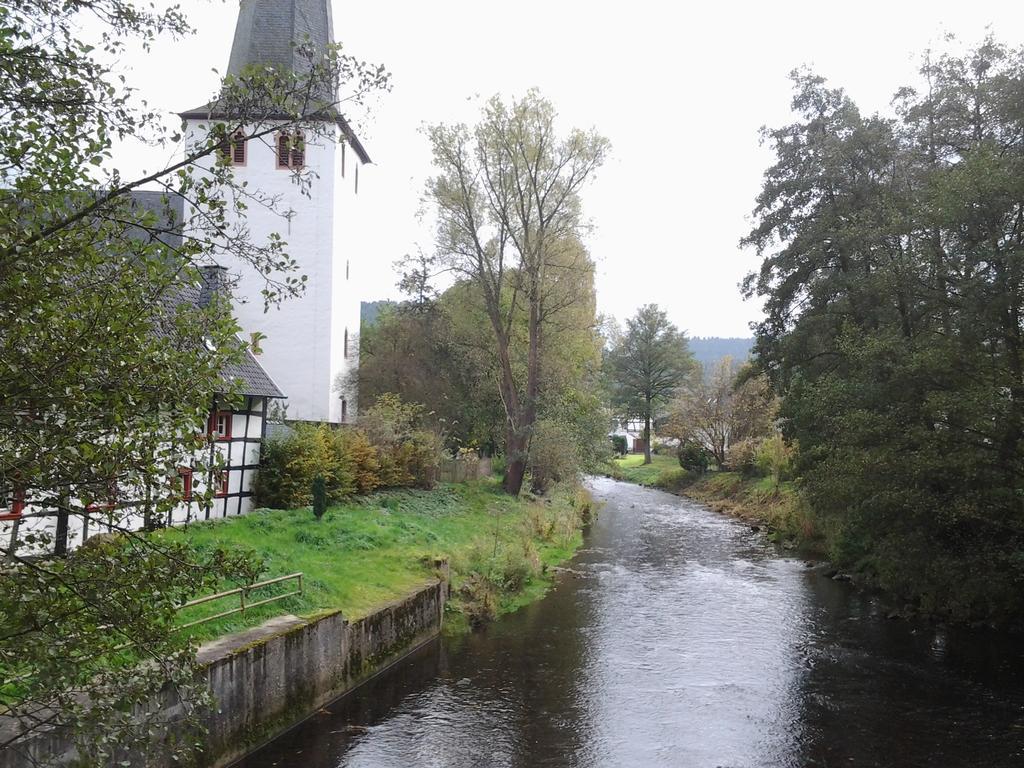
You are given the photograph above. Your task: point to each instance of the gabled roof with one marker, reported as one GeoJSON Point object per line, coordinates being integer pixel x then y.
{"type": "Point", "coordinates": [247, 374]}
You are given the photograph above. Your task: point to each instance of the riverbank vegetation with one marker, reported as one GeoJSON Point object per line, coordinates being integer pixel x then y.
{"type": "Point", "coordinates": [893, 281]}
{"type": "Point", "coordinates": [373, 549]}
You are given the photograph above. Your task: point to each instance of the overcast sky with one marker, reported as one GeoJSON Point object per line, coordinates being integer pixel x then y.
{"type": "Point", "coordinates": [680, 89]}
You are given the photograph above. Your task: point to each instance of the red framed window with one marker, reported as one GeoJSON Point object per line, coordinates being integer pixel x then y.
{"type": "Point", "coordinates": [185, 473]}
{"type": "Point", "coordinates": [291, 150]}
{"type": "Point", "coordinates": [220, 483]}
{"type": "Point", "coordinates": [238, 148]}
{"type": "Point", "coordinates": [13, 506]}
{"type": "Point", "coordinates": [233, 149]}
{"type": "Point", "coordinates": [219, 427]}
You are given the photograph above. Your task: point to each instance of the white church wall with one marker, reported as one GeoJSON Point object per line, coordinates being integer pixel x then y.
{"type": "Point", "coordinates": [350, 236]}
{"type": "Point", "coordinates": [299, 349]}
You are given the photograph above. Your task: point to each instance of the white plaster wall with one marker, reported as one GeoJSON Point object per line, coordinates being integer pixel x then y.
{"type": "Point", "coordinates": [351, 235]}
{"type": "Point", "coordinates": [247, 453]}
{"type": "Point", "coordinates": [299, 351]}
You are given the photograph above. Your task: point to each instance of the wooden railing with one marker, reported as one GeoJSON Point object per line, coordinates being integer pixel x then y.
{"type": "Point", "coordinates": [243, 594]}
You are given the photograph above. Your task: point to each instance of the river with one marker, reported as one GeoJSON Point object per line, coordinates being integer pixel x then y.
{"type": "Point", "coordinates": [684, 639]}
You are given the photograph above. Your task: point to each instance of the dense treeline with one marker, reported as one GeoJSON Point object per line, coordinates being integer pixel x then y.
{"type": "Point", "coordinates": [893, 279]}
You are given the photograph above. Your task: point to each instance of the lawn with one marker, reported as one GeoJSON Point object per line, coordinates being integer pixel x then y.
{"type": "Point", "coordinates": [632, 469]}
{"type": "Point", "coordinates": [378, 548]}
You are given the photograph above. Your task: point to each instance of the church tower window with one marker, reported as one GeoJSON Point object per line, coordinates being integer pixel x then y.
{"type": "Point", "coordinates": [233, 149]}
{"type": "Point", "coordinates": [291, 150]}
{"type": "Point", "coordinates": [238, 148]}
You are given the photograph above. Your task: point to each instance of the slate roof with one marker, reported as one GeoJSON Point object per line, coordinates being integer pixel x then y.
{"type": "Point", "coordinates": [267, 33]}
{"type": "Point", "coordinates": [249, 375]}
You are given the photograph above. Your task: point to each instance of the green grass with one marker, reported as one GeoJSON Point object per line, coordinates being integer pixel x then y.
{"type": "Point", "coordinates": [632, 469]}
{"type": "Point", "coordinates": [760, 499]}
{"type": "Point", "coordinates": [376, 549]}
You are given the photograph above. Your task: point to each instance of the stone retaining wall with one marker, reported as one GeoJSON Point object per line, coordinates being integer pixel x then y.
{"type": "Point", "coordinates": [267, 679]}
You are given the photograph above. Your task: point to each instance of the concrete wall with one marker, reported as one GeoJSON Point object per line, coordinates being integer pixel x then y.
{"type": "Point", "coordinates": [269, 678]}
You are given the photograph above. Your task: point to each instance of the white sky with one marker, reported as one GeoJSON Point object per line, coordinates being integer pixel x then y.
{"type": "Point", "coordinates": [680, 89]}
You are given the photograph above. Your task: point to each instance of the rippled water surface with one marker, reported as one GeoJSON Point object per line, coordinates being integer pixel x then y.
{"type": "Point", "coordinates": [684, 640]}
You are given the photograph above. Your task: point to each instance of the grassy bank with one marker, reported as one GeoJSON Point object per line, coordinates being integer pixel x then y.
{"type": "Point", "coordinates": [378, 548]}
{"type": "Point", "coordinates": [759, 500]}
{"type": "Point", "coordinates": [632, 469]}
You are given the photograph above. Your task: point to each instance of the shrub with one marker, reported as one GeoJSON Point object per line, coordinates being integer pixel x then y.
{"type": "Point", "coordinates": [693, 458]}
{"type": "Point", "coordinates": [620, 445]}
{"type": "Point", "coordinates": [553, 455]}
{"type": "Point", "coordinates": [742, 457]}
{"type": "Point", "coordinates": [775, 458]}
{"type": "Point", "coordinates": [408, 454]}
{"type": "Point", "coordinates": [498, 465]}
{"type": "Point", "coordinates": [344, 459]}
{"type": "Point", "coordinates": [353, 446]}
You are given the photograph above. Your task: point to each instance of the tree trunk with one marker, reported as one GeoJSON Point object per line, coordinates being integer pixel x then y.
{"type": "Point", "coordinates": [647, 434]}
{"type": "Point", "coordinates": [515, 454]}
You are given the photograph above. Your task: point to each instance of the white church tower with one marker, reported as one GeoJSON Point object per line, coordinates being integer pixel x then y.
{"type": "Point", "coordinates": [310, 342]}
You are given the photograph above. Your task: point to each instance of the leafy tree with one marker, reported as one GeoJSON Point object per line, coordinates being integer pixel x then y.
{"type": "Point", "coordinates": [106, 375]}
{"type": "Point", "coordinates": [893, 278]}
{"type": "Point", "coordinates": [647, 367]}
{"type": "Point", "coordinates": [718, 410]}
{"type": "Point", "coordinates": [508, 213]}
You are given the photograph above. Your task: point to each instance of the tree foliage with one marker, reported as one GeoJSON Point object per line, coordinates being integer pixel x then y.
{"type": "Point", "coordinates": [506, 198]}
{"type": "Point", "coordinates": [718, 410]}
{"type": "Point", "coordinates": [647, 367]}
{"type": "Point", "coordinates": [893, 279]}
{"type": "Point", "coordinates": [106, 375]}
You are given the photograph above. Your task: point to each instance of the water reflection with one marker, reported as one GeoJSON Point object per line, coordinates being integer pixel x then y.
{"type": "Point", "coordinates": [686, 640]}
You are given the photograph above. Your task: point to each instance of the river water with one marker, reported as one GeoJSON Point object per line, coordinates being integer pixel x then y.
{"type": "Point", "coordinates": [685, 639]}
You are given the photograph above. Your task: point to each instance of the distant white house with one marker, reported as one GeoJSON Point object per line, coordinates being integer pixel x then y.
{"type": "Point", "coordinates": [633, 431]}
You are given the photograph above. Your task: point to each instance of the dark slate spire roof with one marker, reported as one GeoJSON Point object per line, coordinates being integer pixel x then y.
{"type": "Point", "coordinates": [268, 32]}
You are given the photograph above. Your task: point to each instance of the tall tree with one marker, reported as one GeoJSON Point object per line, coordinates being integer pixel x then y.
{"type": "Point", "coordinates": [647, 367]}
{"type": "Point", "coordinates": [507, 203]}
{"type": "Point", "coordinates": [105, 375]}
{"type": "Point", "coordinates": [893, 278]}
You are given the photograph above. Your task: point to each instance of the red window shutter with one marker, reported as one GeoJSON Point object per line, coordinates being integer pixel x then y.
{"type": "Point", "coordinates": [185, 473]}
{"type": "Point", "coordinates": [220, 483]}
{"type": "Point", "coordinates": [17, 505]}
{"type": "Point", "coordinates": [283, 148]}
{"type": "Point", "coordinates": [238, 149]}
{"type": "Point", "coordinates": [299, 151]}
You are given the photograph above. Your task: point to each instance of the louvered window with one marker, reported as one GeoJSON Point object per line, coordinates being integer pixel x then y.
{"type": "Point", "coordinates": [233, 149]}
{"type": "Point", "coordinates": [238, 148]}
{"type": "Point", "coordinates": [283, 149]}
{"type": "Point", "coordinates": [291, 150]}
